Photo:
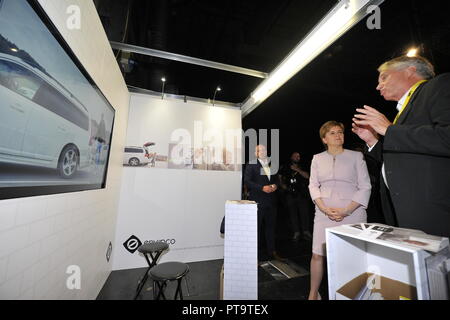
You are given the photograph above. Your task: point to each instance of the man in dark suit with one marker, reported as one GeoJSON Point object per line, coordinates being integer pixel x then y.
{"type": "Point", "coordinates": [415, 149]}
{"type": "Point", "coordinates": [262, 184]}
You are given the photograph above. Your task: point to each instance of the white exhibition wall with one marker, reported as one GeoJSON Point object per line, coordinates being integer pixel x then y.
{"type": "Point", "coordinates": [182, 205]}
{"type": "Point", "coordinates": [40, 237]}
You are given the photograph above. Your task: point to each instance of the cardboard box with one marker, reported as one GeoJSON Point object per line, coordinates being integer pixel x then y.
{"type": "Point", "coordinates": [389, 289]}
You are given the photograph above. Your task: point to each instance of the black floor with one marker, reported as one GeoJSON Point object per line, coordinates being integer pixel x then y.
{"type": "Point", "coordinates": [202, 283]}
{"type": "Point", "coordinates": [298, 253]}
{"type": "Point", "coordinates": [203, 280]}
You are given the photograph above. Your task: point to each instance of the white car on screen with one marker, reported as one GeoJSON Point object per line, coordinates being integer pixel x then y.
{"type": "Point", "coordinates": [42, 124]}
{"type": "Point", "coordinates": [136, 156]}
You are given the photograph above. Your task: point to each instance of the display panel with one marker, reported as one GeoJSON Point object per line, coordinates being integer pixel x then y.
{"type": "Point", "coordinates": [55, 124]}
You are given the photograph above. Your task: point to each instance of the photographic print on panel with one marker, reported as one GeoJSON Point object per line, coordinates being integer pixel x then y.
{"type": "Point", "coordinates": [55, 124]}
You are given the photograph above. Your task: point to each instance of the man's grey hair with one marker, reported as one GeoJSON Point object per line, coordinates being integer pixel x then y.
{"type": "Point", "coordinates": [424, 68]}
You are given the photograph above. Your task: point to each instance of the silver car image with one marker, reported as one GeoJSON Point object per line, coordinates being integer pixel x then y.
{"type": "Point", "coordinates": [136, 156]}
{"type": "Point", "coordinates": [42, 124]}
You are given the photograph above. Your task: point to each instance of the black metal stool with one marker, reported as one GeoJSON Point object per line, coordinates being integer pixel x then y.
{"type": "Point", "coordinates": [168, 271]}
{"type": "Point", "coordinates": [151, 252]}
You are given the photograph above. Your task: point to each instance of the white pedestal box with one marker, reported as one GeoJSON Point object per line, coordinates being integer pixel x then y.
{"type": "Point", "coordinates": [350, 255]}
{"type": "Point", "coordinates": [241, 251]}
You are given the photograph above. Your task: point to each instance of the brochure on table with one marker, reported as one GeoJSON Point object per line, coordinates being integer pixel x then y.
{"type": "Point", "coordinates": [407, 238]}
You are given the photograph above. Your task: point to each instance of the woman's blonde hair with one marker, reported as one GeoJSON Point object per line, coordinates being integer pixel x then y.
{"type": "Point", "coordinates": [327, 127]}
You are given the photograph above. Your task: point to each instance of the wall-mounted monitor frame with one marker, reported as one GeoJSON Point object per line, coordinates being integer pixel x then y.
{"type": "Point", "coordinates": [56, 125]}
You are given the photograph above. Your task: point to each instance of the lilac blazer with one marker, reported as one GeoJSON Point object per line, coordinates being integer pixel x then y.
{"type": "Point", "coordinates": [343, 177]}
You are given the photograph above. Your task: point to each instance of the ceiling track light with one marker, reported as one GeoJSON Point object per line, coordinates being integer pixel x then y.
{"type": "Point", "coordinates": [218, 89]}
{"type": "Point", "coordinates": [412, 52]}
{"type": "Point", "coordinates": [163, 80]}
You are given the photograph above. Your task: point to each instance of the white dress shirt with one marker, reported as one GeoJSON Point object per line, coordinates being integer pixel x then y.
{"type": "Point", "coordinates": [265, 165]}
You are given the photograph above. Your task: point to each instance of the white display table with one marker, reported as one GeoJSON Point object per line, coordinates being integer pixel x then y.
{"type": "Point", "coordinates": [349, 255]}
{"type": "Point", "coordinates": [241, 251]}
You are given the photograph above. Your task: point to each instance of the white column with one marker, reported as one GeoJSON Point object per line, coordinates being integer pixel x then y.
{"type": "Point", "coordinates": [241, 251]}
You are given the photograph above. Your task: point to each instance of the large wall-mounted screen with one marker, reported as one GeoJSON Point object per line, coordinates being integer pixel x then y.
{"type": "Point", "coordinates": [55, 124]}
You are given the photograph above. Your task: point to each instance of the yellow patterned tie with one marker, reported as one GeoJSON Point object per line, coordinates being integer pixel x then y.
{"type": "Point", "coordinates": [410, 93]}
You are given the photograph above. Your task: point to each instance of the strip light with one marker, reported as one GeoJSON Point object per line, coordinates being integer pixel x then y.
{"type": "Point", "coordinates": [339, 20]}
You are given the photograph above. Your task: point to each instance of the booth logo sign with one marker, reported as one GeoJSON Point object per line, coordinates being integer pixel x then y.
{"type": "Point", "coordinates": [132, 244]}
{"type": "Point", "coordinates": [168, 241]}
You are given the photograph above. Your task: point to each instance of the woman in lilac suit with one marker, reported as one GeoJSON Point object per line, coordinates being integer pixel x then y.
{"type": "Point", "coordinates": [340, 188]}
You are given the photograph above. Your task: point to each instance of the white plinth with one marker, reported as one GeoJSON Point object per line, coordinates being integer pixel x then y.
{"type": "Point", "coordinates": [241, 251]}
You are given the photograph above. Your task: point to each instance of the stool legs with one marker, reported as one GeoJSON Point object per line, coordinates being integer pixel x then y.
{"type": "Point", "coordinates": [187, 285]}
{"type": "Point", "coordinates": [160, 290]}
{"type": "Point", "coordinates": [179, 291]}
{"type": "Point", "coordinates": [141, 283]}
{"type": "Point", "coordinates": [160, 293]}
{"type": "Point", "coordinates": [151, 263]}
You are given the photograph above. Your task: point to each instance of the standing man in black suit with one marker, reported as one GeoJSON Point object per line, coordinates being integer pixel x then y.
{"type": "Point", "coordinates": [262, 184]}
{"type": "Point", "coordinates": [415, 149]}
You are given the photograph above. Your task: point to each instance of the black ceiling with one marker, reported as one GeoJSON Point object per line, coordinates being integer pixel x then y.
{"type": "Point", "coordinates": [257, 35]}
{"type": "Point", "coordinates": [252, 34]}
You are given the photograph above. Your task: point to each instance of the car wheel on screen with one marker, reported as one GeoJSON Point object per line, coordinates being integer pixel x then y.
{"type": "Point", "coordinates": [134, 162]}
{"type": "Point", "coordinates": [68, 162]}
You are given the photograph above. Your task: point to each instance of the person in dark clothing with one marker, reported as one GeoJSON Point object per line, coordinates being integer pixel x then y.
{"type": "Point", "coordinates": [262, 185]}
{"type": "Point", "coordinates": [100, 137]}
{"type": "Point", "coordinates": [414, 149]}
{"type": "Point", "coordinates": [294, 182]}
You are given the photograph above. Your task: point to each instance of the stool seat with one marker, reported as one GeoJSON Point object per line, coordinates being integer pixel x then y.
{"type": "Point", "coordinates": [169, 271]}
{"type": "Point", "coordinates": [153, 247]}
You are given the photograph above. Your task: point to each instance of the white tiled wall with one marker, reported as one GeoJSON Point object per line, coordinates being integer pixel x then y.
{"type": "Point", "coordinates": [241, 252]}
{"type": "Point", "coordinates": [41, 236]}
